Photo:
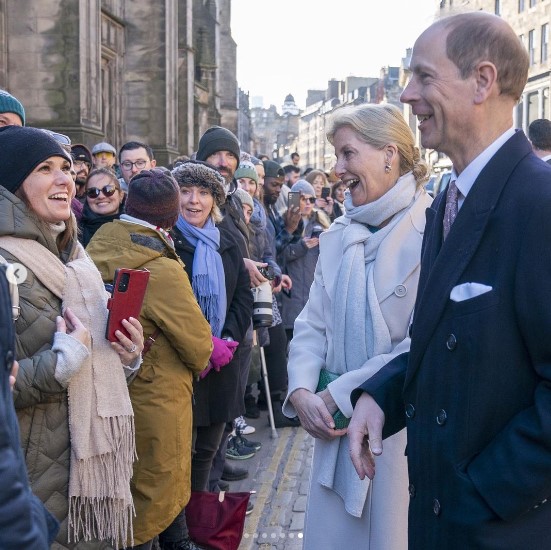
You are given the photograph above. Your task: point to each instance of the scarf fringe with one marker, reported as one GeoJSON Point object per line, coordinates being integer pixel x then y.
{"type": "Point", "coordinates": [104, 516]}
{"type": "Point", "coordinates": [101, 519]}
{"type": "Point", "coordinates": [208, 303]}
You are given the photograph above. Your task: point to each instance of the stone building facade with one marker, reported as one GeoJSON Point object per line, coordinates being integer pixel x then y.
{"type": "Point", "coordinates": [120, 70]}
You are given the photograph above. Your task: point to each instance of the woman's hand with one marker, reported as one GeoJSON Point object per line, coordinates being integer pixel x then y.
{"type": "Point", "coordinates": [252, 267]}
{"type": "Point", "coordinates": [314, 415]}
{"type": "Point", "coordinates": [311, 242]}
{"type": "Point", "coordinates": [292, 219]}
{"type": "Point", "coordinates": [129, 349]}
{"type": "Point", "coordinates": [70, 324]}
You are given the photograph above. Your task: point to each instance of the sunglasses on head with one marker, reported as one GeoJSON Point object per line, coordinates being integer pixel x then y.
{"type": "Point", "coordinates": [60, 138]}
{"type": "Point", "coordinates": [94, 192]}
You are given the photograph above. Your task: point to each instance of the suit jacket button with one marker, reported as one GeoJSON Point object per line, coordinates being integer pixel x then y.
{"type": "Point", "coordinates": [400, 291]}
{"type": "Point", "coordinates": [441, 417]}
{"type": "Point", "coordinates": [410, 410]}
{"type": "Point", "coordinates": [411, 490]}
{"type": "Point", "coordinates": [9, 359]}
{"type": "Point", "coordinates": [451, 342]}
{"type": "Point", "coordinates": [436, 508]}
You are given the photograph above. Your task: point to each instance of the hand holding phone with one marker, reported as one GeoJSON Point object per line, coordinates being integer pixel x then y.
{"type": "Point", "coordinates": [294, 199]}
{"type": "Point", "coordinates": [325, 192]}
{"type": "Point", "coordinates": [129, 288]}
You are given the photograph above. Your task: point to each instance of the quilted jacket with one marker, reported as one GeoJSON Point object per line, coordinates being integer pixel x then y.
{"type": "Point", "coordinates": [41, 403]}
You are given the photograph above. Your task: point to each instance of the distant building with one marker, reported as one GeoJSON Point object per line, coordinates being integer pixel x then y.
{"type": "Point", "coordinates": [160, 71]}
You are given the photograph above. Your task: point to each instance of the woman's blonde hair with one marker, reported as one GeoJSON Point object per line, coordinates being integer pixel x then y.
{"type": "Point", "coordinates": [378, 125]}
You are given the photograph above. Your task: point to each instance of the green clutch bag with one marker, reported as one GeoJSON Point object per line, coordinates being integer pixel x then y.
{"type": "Point", "coordinates": [326, 377]}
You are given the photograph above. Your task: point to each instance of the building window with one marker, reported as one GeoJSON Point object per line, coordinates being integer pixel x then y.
{"type": "Point", "coordinates": [532, 46]}
{"type": "Point", "coordinates": [532, 106]}
{"type": "Point", "coordinates": [532, 3]}
{"type": "Point", "coordinates": [520, 6]}
{"type": "Point", "coordinates": [497, 7]}
{"type": "Point", "coordinates": [544, 41]}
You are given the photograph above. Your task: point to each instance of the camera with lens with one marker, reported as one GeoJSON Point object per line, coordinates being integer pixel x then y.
{"type": "Point", "coordinates": [262, 299]}
{"type": "Point", "coordinates": [267, 272]}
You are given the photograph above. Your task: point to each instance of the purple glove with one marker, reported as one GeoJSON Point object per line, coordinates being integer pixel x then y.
{"type": "Point", "coordinates": [222, 354]}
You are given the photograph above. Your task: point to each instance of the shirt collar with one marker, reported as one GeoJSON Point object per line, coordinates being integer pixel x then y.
{"type": "Point", "coordinates": [466, 179]}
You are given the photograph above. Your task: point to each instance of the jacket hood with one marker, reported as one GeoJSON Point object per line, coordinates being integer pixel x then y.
{"type": "Point", "coordinates": [125, 244]}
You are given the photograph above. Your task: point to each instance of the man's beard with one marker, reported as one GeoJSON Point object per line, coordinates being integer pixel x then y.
{"type": "Point", "coordinates": [80, 184]}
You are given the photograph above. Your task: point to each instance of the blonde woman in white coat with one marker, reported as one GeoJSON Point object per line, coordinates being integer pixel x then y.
{"type": "Point", "coordinates": [355, 321]}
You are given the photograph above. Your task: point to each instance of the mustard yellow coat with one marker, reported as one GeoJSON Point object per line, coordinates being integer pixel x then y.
{"type": "Point", "coordinates": [161, 393]}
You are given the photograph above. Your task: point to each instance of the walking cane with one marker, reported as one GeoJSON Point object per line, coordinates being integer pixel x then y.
{"type": "Point", "coordinates": [264, 372]}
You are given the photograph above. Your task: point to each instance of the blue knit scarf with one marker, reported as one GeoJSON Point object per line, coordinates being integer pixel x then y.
{"type": "Point", "coordinates": [208, 281]}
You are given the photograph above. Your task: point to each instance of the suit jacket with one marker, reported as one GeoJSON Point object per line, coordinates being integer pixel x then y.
{"type": "Point", "coordinates": [475, 388]}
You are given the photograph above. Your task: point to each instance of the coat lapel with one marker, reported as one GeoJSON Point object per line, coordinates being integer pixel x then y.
{"type": "Point", "coordinates": [443, 264]}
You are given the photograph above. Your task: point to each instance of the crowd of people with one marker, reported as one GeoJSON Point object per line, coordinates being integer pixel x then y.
{"type": "Point", "coordinates": [380, 314]}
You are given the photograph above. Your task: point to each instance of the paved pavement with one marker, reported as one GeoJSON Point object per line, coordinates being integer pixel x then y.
{"type": "Point", "coordinates": [279, 474]}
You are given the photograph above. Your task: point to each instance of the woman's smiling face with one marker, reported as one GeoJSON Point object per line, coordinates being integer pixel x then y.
{"type": "Point", "coordinates": [49, 189]}
{"type": "Point", "coordinates": [361, 167]}
{"type": "Point", "coordinates": [196, 204]}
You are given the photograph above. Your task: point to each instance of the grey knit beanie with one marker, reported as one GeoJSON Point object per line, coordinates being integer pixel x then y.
{"type": "Point", "coordinates": [244, 197]}
{"type": "Point", "coordinates": [304, 188]}
{"type": "Point", "coordinates": [200, 174]}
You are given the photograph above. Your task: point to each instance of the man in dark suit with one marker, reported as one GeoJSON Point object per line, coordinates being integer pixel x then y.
{"type": "Point", "coordinates": [474, 391]}
{"type": "Point", "coordinates": [539, 134]}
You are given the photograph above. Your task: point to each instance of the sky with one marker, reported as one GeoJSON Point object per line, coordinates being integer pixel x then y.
{"type": "Point", "coordinates": [291, 46]}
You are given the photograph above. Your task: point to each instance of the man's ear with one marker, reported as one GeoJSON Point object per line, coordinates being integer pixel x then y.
{"type": "Point", "coordinates": [153, 163]}
{"type": "Point", "coordinates": [486, 81]}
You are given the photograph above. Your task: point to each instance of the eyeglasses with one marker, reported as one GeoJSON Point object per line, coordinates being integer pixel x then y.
{"type": "Point", "coordinates": [81, 163]}
{"type": "Point", "coordinates": [94, 192]}
{"type": "Point", "coordinates": [308, 199]}
{"type": "Point", "coordinates": [60, 138]}
{"type": "Point", "coordinates": [139, 164]}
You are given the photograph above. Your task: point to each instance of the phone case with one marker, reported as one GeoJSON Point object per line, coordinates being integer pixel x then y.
{"type": "Point", "coordinates": [294, 199]}
{"type": "Point", "coordinates": [325, 192]}
{"type": "Point", "coordinates": [129, 286]}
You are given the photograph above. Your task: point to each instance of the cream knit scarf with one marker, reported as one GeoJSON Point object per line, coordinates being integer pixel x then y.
{"type": "Point", "coordinates": [101, 420]}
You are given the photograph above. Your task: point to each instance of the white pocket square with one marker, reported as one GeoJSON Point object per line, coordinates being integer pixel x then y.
{"type": "Point", "coordinates": [466, 291]}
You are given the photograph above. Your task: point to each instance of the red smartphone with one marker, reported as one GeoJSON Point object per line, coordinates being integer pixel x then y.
{"type": "Point", "coordinates": [126, 300]}
{"type": "Point", "coordinates": [294, 199]}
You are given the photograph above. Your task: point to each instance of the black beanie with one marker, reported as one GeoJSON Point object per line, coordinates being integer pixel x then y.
{"type": "Point", "coordinates": [154, 197]}
{"type": "Point", "coordinates": [217, 139]}
{"type": "Point", "coordinates": [22, 149]}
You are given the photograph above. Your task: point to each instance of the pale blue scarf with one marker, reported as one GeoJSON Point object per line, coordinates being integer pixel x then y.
{"type": "Point", "coordinates": [258, 218]}
{"type": "Point", "coordinates": [208, 281]}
